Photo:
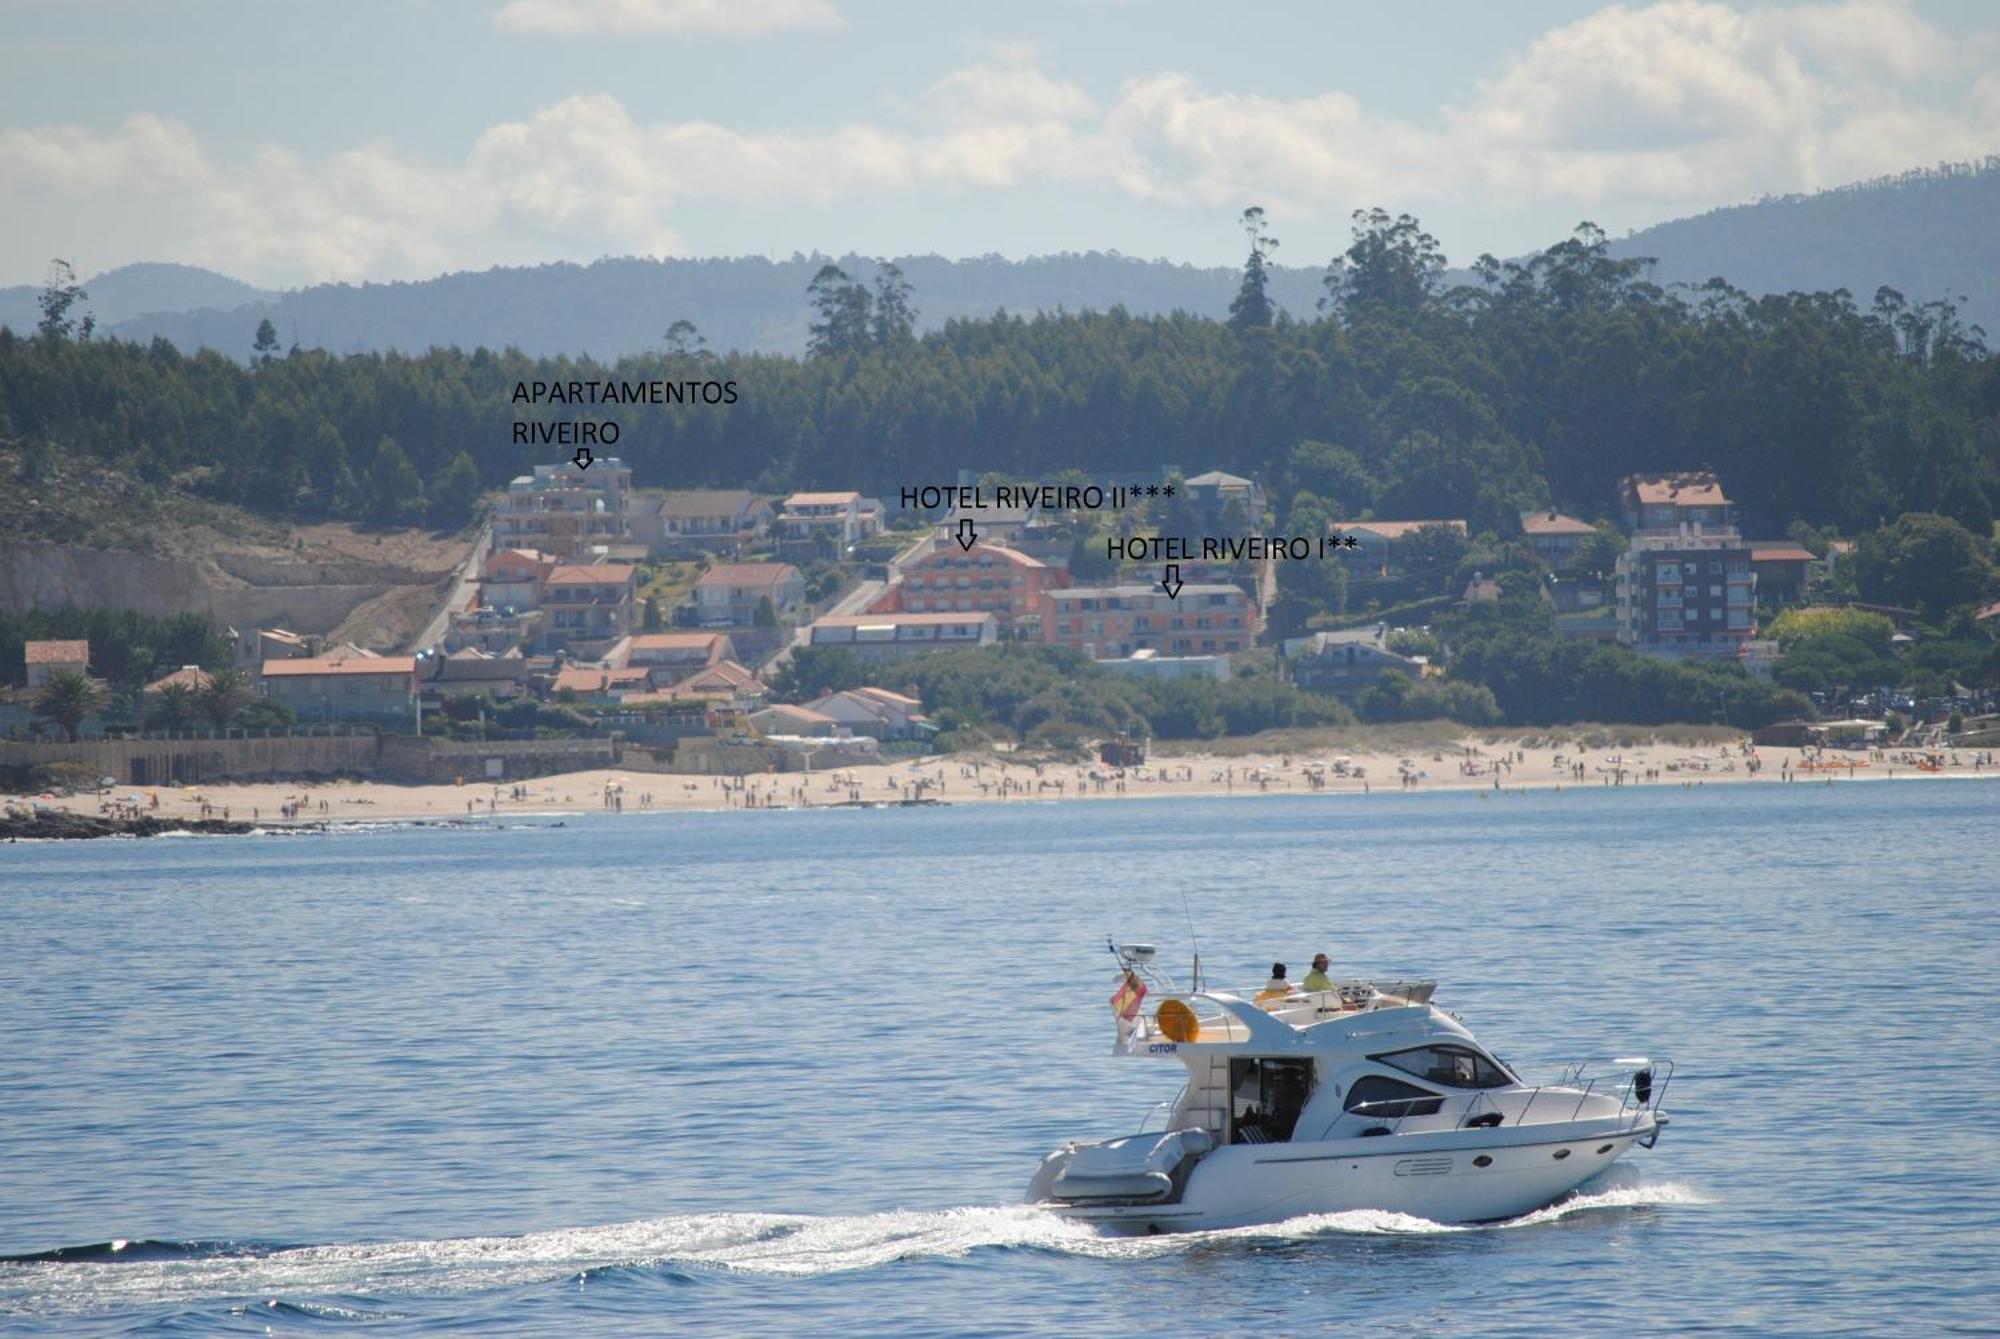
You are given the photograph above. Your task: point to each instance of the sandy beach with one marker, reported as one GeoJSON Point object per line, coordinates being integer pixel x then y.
{"type": "Point", "coordinates": [1466, 764]}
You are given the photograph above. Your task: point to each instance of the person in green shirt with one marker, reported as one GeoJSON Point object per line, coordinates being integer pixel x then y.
{"type": "Point", "coordinates": [1317, 979]}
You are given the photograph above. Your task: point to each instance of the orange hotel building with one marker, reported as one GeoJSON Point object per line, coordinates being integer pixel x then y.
{"type": "Point", "coordinates": [1111, 622]}
{"type": "Point", "coordinates": [984, 579]}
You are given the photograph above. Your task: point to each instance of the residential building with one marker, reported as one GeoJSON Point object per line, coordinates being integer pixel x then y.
{"type": "Point", "coordinates": [671, 654]}
{"type": "Point", "coordinates": [1149, 664]}
{"type": "Point", "coordinates": [1685, 585]}
{"type": "Point", "coordinates": [1345, 662]}
{"type": "Point", "coordinates": [706, 520]}
{"type": "Point", "coordinates": [494, 631]}
{"type": "Point", "coordinates": [791, 721]}
{"type": "Point", "coordinates": [590, 603]}
{"type": "Point", "coordinates": [190, 678]}
{"type": "Point", "coordinates": [989, 522]}
{"type": "Point", "coordinates": [514, 578]}
{"type": "Point", "coordinates": [1111, 622]}
{"type": "Point", "coordinates": [889, 636]}
{"type": "Point", "coordinates": [48, 658]}
{"type": "Point", "coordinates": [836, 520]}
{"type": "Point", "coordinates": [1556, 537]}
{"type": "Point", "coordinates": [382, 689]}
{"type": "Point", "coordinates": [728, 594]}
{"type": "Point", "coordinates": [1376, 542]}
{"type": "Point", "coordinates": [875, 712]}
{"type": "Point", "coordinates": [470, 672]}
{"type": "Point", "coordinates": [1783, 571]}
{"type": "Point", "coordinates": [597, 683]}
{"type": "Point", "coordinates": [1003, 582]}
{"type": "Point", "coordinates": [563, 510]}
{"type": "Point", "coordinates": [1212, 493]}
{"type": "Point", "coordinates": [724, 682]}
{"type": "Point", "coordinates": [254, 647]}
{"type": "Point", "coordinates": [1690, 502]}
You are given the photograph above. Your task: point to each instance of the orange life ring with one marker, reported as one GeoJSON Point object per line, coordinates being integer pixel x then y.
{"type": "Point", "coordinates": [1177, 1021]}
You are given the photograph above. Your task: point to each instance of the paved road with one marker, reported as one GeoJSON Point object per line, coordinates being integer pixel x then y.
{"type": "Point", "coordinates": [463, 586]}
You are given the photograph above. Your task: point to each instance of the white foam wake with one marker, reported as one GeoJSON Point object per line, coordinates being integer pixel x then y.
{"type": "Point", "coordinates": [774, 1245]}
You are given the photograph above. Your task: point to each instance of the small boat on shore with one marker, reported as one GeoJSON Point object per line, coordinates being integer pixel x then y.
{"type": "Point", "coordinates": [1368, 1096]}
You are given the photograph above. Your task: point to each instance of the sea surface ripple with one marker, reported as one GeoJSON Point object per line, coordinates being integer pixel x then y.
{"type": "Point", "coordinates": [717, 1072]}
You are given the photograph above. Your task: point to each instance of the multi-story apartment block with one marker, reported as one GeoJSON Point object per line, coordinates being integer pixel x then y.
{"type": "Point", "coordinates": [1111, 622]}
{"type": "Point", "coordinates": [563, 510]}
{"type": "Point", "coordinates": [1685, 586]}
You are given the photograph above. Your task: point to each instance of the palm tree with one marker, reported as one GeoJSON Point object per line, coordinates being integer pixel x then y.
{"type": "Point", "coordinates": [227, 693]}
{"type": "Point", "coordinates": [66, 698]}
{"type": "Point", "coordinates": [172, 706]}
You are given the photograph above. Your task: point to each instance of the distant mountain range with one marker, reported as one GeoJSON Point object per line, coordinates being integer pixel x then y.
{"type": "Point", "coordinates": [1926, 233]}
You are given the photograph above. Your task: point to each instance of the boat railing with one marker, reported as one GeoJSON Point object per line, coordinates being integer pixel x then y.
{"type": "Point", "coordinates": [1637, 1091]}
{"type": "Point", "coordinates": [1161, 1112]}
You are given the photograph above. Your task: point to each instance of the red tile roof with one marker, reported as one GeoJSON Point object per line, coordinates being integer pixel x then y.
{"type": "Point", "coordinates": [591, 574]}
{"type": "Point", "coordinates": [1553, 523]}
{"type": "Point", "coordinates": [1682, 490]}
{"type": "Point", "coordinates": [191, 677]}
{"type": "Point", "coordinates": [58, 653]}
{"type": "Point", "coordinates": [374, 665]}
{"type": "Point", "coordinates": [1780, 553]}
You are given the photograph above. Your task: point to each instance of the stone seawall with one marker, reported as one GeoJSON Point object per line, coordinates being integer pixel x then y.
{"type": "Point", "coordinates": [152, 762]}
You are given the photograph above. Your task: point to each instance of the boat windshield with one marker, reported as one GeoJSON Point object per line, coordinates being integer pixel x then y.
{"type": "Point", "coordinates": [1458, 1066]}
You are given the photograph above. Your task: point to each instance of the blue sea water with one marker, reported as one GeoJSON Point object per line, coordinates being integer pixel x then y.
{"type": "Point", "coordinates": [791, 1071]}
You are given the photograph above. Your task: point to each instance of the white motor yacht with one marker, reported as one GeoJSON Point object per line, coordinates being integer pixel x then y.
{"type": "Point", "coordinates": [1368, 1096]}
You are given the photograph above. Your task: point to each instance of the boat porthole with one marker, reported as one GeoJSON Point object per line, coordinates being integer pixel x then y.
{"type": "Point", "coordinates": [1603, 1148]}
{"type": "Point", "coordinates": [1483, 1160]}
{"type": "Point", "coordinates": [1561, 1153]}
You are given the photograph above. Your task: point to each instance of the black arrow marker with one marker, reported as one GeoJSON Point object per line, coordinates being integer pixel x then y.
{"type": "Point", "coordinates": [1172, 582]}
{"type": "Point", "coordinates": [967, 536]}
{"type": "Point", "coordinates": [583, 457]}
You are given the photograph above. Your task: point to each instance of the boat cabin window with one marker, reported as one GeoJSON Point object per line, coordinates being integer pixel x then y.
{"type": "Point", "coordinates": [1266, 1097]}
{"type": "Point", "coordinates": [1379, 1096]}
{"type": "Point", "coordinates": [1458, 1066]}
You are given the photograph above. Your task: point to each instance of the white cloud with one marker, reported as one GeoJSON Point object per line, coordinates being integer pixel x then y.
{"type": "Point", "coordinates": [727, 18]}
{"type": "Point", "coordinates": [1671, 107]}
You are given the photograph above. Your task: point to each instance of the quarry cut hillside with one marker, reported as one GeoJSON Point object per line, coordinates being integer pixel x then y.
{"type": "Point", "coordinates": [76, 533]}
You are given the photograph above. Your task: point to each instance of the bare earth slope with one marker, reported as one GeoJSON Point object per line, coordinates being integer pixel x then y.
{"type": "Point", "coordinates": [87, 536]}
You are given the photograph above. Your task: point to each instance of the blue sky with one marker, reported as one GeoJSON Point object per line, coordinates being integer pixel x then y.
{"type": "Point", "coordinates": [288, 143]}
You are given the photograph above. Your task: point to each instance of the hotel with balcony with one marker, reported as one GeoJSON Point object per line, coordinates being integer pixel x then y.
{"type": "Point", "coordinates": [1112, 622]}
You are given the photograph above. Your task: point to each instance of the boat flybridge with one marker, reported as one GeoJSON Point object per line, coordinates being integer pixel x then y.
{"type": "Point", "coordinates": [1367, 1096]}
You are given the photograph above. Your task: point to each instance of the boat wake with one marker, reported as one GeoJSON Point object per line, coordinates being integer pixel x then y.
{"type": "Point", "coordinates": [118, 1275]}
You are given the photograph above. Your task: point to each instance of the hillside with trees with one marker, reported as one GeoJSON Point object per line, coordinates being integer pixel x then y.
{"type": "Point", "coordinates": [1540, 383]}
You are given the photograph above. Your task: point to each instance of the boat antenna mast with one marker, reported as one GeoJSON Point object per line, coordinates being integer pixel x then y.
{"type": "Point", "coordinates": [1194, 983]}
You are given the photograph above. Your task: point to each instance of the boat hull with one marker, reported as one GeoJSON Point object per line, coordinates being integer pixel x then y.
{"type": "Point", "coordinates": [1443, 1177]}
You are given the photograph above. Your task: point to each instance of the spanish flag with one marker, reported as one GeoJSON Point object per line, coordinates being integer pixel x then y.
{"type": "Point", "coordinates": [1131, 993]}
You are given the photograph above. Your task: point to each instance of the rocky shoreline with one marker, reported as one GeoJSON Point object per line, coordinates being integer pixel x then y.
{"type": "Point", "coordinates": [62, 825]}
